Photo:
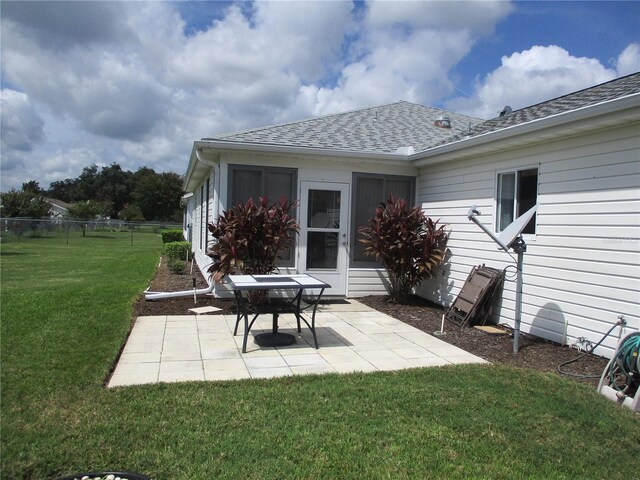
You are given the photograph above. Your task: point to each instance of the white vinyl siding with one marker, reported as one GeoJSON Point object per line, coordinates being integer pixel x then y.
{"type": "Point", "coordinates": [582, 269]}
{"type": "Point", "coordinates": [367, 281]}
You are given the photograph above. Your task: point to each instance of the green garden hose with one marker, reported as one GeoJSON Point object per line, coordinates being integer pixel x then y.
{"type": "Point", "coordinates": [624, 372]}
{"type": "Point", "coordinates": [621, 322]}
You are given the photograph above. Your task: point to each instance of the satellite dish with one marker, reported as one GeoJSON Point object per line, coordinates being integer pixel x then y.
{"type": "Point", "coordinates": [506, 111]}
{"type": "Point", "coordinates": [509, 234]}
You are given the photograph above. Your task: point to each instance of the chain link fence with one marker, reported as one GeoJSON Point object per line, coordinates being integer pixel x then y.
{"type": "Point", "coordinates": [21, 229]}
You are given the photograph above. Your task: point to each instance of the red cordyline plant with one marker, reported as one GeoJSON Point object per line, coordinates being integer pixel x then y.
{"type": "Point", "coordinates": [408, 242]}
{"type": "Point", "coordinates": [248, 238]}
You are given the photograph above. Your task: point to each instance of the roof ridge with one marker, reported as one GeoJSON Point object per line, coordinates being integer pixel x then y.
{"type": "Point", "coordinates": [572, 101]}
{"type": "Point", "coordinates": [571, 94]}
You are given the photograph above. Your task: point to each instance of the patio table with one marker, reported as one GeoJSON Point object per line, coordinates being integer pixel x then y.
{"type": "Point", "coordinates": [276, 306]}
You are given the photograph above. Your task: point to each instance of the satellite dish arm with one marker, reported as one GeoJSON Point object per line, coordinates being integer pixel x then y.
{"type": "Point", "coordinates": [472, 215]}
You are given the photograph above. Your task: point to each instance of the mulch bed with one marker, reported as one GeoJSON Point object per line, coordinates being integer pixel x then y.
{"type": "Point", "coordinates": [534, 352]}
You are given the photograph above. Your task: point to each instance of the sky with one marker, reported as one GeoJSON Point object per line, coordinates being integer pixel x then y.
{"type": "Point", "coordinates": [136, 83]}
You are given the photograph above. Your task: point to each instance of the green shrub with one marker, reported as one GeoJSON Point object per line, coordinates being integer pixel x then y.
{"type": "Point", "coordinates": [177, 250]}
{"type": "Point", "coordinates": [176, 265]}
{"type": "Point", "coordinates": [169, 236]}
{"type": "Point", "coordinates": [409, 243]}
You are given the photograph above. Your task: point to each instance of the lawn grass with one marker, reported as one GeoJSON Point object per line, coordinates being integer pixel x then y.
{"type": "Point", "coordinates": [65, 313]}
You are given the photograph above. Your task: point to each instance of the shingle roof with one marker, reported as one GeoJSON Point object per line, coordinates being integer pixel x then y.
{"type": "Point", "coordinates": [55, 201]}
{"type": "Point", "coordinates": [381, 129]}
{"type": "Point", "coordinates": [385, 129]}
{"type": "Point", "coordinates": [618, 88]}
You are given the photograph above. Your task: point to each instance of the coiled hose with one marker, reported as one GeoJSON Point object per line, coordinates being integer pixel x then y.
{"type": "Point", "coordinates": [626, 363]}
{"type": "Point", "coordinates": [621, 321]}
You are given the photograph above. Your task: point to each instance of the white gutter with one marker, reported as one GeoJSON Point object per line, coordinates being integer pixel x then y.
{"type": "Point", "coordinates": [583, 113]}
{"type": "Point", "coordinates": [202, 160]}
{"type": "Point", "coordinates": [272, 148]}
{"type": "Point", "coordinates": [189, 172]}
{"type": "Point", "coordinates": [185, 198]}
{"type": "Point", "coordinates": [196, 153]}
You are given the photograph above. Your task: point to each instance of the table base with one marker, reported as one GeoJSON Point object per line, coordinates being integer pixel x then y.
{"type": "Point", "coordinates": [270, 339]}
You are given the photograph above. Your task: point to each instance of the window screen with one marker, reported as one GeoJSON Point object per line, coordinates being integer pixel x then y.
{"type": "Point", "coordinates": [368, 192]}
{"type": "Point", "coordinates": [247, 182]}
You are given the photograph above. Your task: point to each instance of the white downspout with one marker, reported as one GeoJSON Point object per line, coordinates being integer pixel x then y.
{"type": "Point", "coordinates": [183, 293]}
{"type": "Point", "coordinates": [200, 291]}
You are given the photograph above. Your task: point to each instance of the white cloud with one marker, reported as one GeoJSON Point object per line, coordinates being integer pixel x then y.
{"type": "Point", "coordinates": [529, 77]}
{"type": "Point", "coordinates": [49, 168]}
{"type": "Point", "coordinates": [307, 36]}
{"type": "Point", "coordinates": [130, 82]}
{"type": "Point", "coordinates": [125, 80]}
{"type": "Point", "coordinates": [22, 130]}
{"type": "Point", "coordinates": [66, 24]}
{"type": "Point", "coordinates": [127, 73]}
{"type": "Point", "coordinates": [479, 17]}
{"type": "Point", "coordinates": [237, 50]}
{"type": "Point", "coordinates": [120, 101]}
{"type": "Point", "coordinates": [253, 67]}
{"type": "Point", "coordinates": [629, 60]}
{"type": "Point", "coordinates": [68, 163]}
{"type": "Point", "coordinates": [21, 125]}
{"type": "Point", "coordinates": [406, 51]}
{"type": "Point", "coordinates": [100, 81]}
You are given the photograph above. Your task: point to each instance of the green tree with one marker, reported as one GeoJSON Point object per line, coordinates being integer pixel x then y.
{"type": "Point", "coordinates": [85, 188]}
{"type": "Point", "coordinates": [32, 186]}
{"type": "Point", "coordinates": [76, 189]}
{"type": "Point", "coordinates": [24, 203]}
{"type": "Point", "coordinates": [113, 185]}
{"type": "Point", "coordinates": [63, 190]}
{"type": "Point", "coordinates": [409, 244]}
{"type": "Point", "coordinates": [158, 195]}
{"type": "Point", "coordinates": [88, 210]}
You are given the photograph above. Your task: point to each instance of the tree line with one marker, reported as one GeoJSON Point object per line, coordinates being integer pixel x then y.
{"type": "Point", "coordinates": [107, 191]}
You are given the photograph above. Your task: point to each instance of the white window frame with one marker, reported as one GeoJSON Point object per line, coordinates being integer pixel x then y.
{"type": "Point", "coordinates": [515, 171]}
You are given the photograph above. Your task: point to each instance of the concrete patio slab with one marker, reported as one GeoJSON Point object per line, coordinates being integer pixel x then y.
{"type": "Point", "coordinates": [352, 338]}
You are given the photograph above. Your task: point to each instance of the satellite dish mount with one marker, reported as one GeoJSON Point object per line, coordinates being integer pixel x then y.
{"type": "Point", "coordinates": [511, 238]}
